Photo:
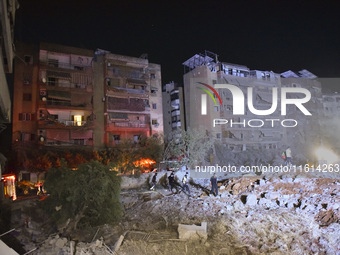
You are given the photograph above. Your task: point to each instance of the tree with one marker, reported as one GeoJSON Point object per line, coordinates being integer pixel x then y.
{"type": "Point", "coordinates": [88, 196]}
{"type": "Point", "coordinates": [189, 148]}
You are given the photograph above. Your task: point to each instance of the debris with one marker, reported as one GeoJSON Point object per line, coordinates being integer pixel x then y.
{"type": "Point", "coordinates": [193, 231]}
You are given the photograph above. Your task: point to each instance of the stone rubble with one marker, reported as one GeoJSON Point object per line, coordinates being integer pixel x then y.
{"type": "Point", "coordinates": [251, 215]}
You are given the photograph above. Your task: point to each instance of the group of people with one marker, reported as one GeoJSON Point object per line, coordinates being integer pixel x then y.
{"type": "Point", "coordinates": [185, 187]}
{"type": "Point", "coordinates": [172, 182]}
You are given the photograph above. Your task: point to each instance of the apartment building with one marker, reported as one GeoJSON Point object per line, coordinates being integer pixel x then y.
{"type": "Point", "coordinates": [229, 119]}
{"type": "Point", "coordinates": [173, 108]}
{"type": "Point", "coordinates": [71, 97]}
{"type": "Point", "coordinates": [53, 104]}
{"type": "Point", "coordinates": [7, 19]}
{"type": "Point", "coordinates": [7, 54]}
{"type": "Point", "coordinates": [331, 104]}
{"type": "Point", "coordinates": [128, 98]}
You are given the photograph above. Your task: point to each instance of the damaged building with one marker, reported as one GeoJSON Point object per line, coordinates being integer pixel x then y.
{"type": "Point", "coordinates": [240, 129]}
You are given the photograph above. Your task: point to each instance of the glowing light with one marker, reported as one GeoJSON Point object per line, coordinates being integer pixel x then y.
{"type": "Point", "coordinates": [144, 162]}
{"type": "Point", "coordinates": [327, 155]}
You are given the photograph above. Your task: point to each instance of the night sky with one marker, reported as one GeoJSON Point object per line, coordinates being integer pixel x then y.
{"type": "Point", "coordinates": [264, 35]}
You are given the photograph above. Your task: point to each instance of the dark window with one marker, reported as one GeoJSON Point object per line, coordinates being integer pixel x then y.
{"type": "Point", "coordinates": [116, 137]}
{"type": "Point", "coordinates": [51, 81]}
{"type": "Point", "coordinates": [81, 68]}
{"type": "Point", "coordinates": [27, 97]}
{"type": "Point", "coordinates": [153, 76]}
{"type": "Point", "coordinates": [24, 116]}
{"type": "Point", "coordinates": [79, 141]}
{"type": "Point", "coordinates": [154, 106]}
{"type": "Point", "coordinates": [28, 59]}
{"type": "Point", "coordinates": [53, 62]}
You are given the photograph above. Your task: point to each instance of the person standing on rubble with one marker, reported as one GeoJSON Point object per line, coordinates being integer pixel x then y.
{"type": "Point", "coordinates": [213, 185]}
{"type": "Point", "coordinates": [171, 179]}
{"type": "Point", "coordinates": [185, 184]}
{"type": "Point", "coordinates": [288, 157]}
{"type": "Point", "coordinates": [154, 181]}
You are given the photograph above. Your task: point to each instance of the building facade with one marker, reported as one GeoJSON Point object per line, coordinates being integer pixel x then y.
{"type": "Point", "coordinates": [127, 97]}
{"type": "Point", "coordinates": [53, 96]}
{"type": "Point", "coordinates": [173, 109]}
{"type": "Point", "coordinates": [232, 118]}
{"type": "Point", "coordinates": [7, 53]}
{"type": "Point", "coordinates": [71, 97]}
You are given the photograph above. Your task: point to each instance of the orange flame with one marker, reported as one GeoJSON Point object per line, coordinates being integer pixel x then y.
{"type": "Point", "coordinates": [144, 162]}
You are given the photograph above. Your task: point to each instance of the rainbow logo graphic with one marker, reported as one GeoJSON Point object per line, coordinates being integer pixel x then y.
{"type": "Point", "coordinates": [204, 97]}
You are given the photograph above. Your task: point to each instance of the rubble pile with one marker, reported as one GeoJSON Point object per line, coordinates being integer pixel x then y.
{"type": "Point", "coordinates": [61, 245]}
{"type": "Point", "coordinates": [294, 215]}
{"type": "Point", "coordinates": [250, 215]}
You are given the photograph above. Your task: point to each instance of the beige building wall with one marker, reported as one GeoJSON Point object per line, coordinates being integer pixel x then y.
{"type": "Point", "coordinates": [7, 20]}
{"type": "Point", "coordinates": [156, 106]}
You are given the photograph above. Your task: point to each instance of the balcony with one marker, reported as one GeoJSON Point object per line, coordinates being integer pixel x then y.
{"type": "Point", "coordinates": [176, 124]}
{"type": "Point", "coordinates": [62, 123]}
{"type": "Point", "coordinates": [131, 91]}
{"type": "Point", "coordinates": [175, 103]}
{"type": "Point", "coordinates": [124, 125]}
{"type": "Point", "coordinates": [64, 65]}
{"type": "Point", "coordinates": [175, 113]}
{"type": "Point", "coordinates": [66, 85]}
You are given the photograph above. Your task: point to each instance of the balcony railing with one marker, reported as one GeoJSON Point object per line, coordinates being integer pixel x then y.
{"type": "Point", "coordinates": [175, 113]}
{"type": "Point", "coordinates": [132, 91]}
{"type": "Point", "coordinates": [176, 124]}
{"type": "Point", "coordinates": [66, 85]}
{"type": "Point", "coordinates": [64, 103]}
{"type": "Point", "coordinates": [130, 124]}
{"type": "Point", "coordinates": [65, 65]}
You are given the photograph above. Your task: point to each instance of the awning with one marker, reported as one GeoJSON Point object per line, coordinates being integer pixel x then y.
{"type": "Point", "coordinates": [137, 81]}
{"type": "Point", "coordinates": [58, 74]}
{"type": "Point", "coordinates": [58, 135]}
{"type": "Point", "coordinates": [81, 134]}
{"type": "Point", "coordinates": [61, 95]}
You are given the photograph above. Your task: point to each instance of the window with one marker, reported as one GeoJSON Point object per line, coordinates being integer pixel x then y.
{"type": "Point", "coordinates": [27, 97]}
{"type": "Point", "coordinates": [154, 122]}
{"type": "Point", "coordinates": [218, 135]}
{"type": "Point", "coordinates": [153, 76]}
{"type": "Point", "coordinates": [51, 81]}
{"type": "Point", "coordinates": [53, 62]}
{"type": "Point", "coordinates": [28, 59]}
{"type": "Point", "coordinates": [77, 120]}
{"type": "Point", "coordinates": [24, 116]}
{"type": "Point", "coordinates": [53, 116]}
{"type": "Point", "coordinates": [154, 106]}
{"type": "Point", "coordinates": [27, 79]}
{"type": "Point", "coordinates": [116, 137]}
{"type": "Point", "coordinates": [136, 138]}
{"type": "Point", "coordinates": [80, 68]}
{"type": "Point", "coordinates": [79, 141]}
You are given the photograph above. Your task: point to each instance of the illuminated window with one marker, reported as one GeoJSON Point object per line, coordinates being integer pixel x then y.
{"type": "Point", "coordinates": [77, 120]}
